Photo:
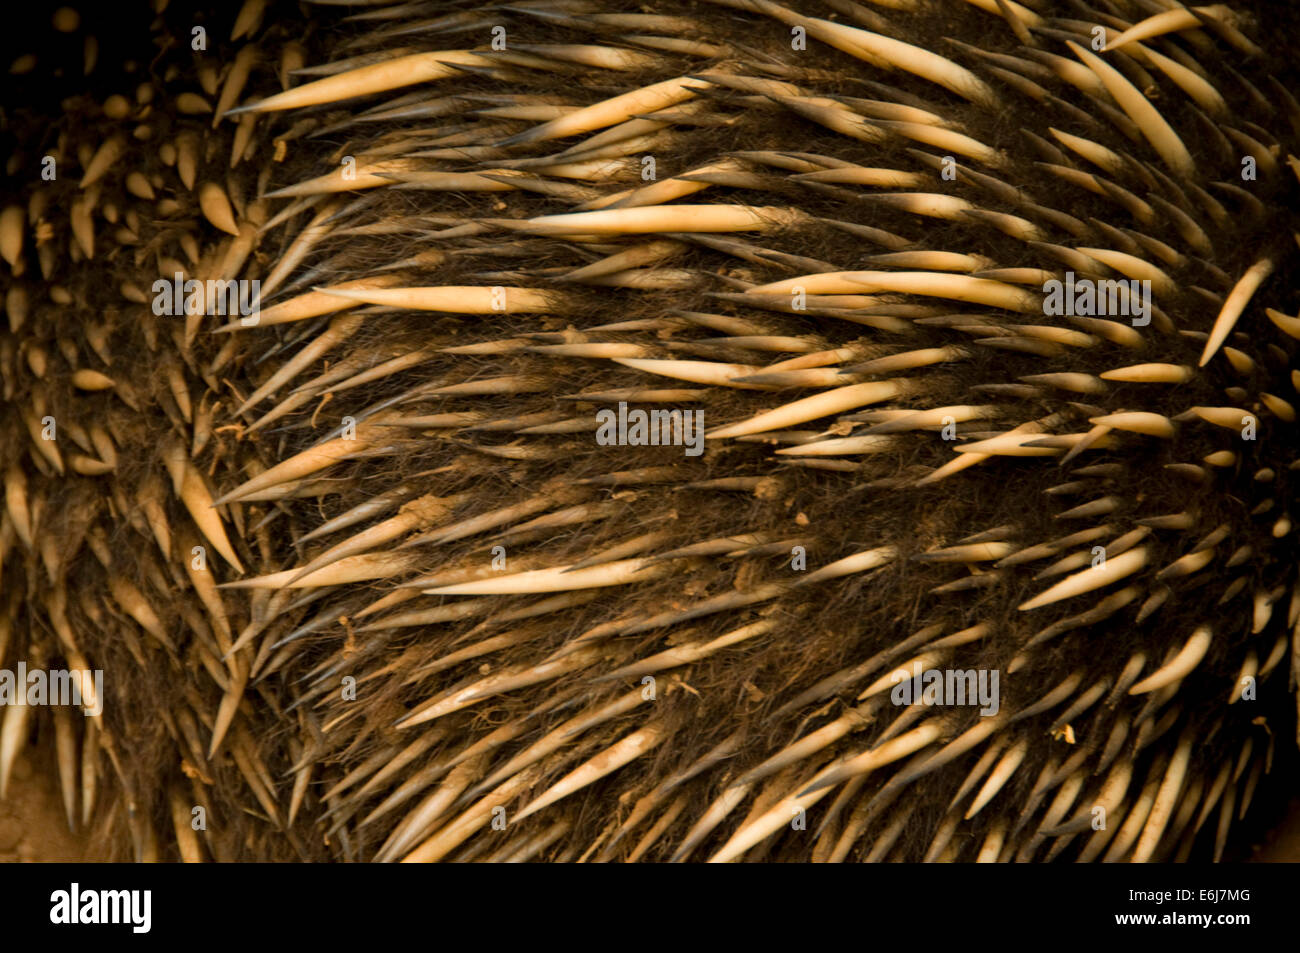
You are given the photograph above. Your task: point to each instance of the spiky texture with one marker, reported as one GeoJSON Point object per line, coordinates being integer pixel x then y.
{"type": "Point", "coordinates": [368, 448]}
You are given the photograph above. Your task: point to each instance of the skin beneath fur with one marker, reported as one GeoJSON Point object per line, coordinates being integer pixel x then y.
{"type": "Point", "coordinates": [365, 585]}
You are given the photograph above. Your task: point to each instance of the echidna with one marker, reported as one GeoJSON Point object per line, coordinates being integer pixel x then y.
{"type": "Point", "coordinates": [606, 435]}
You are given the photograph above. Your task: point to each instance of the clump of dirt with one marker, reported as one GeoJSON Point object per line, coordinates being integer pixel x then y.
{"type": "Point", "coordinates": [33, 827]}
